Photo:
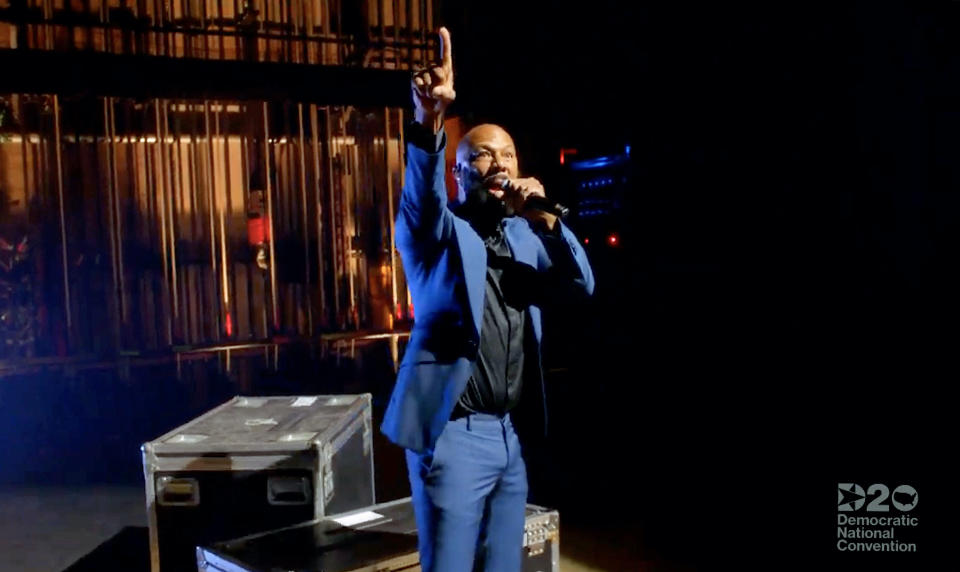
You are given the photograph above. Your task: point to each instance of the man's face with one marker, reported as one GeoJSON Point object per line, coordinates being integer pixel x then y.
{"type": "Point", "coordinates": [485, 156]}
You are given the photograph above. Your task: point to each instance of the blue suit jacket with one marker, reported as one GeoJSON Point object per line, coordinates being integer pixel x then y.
{"type": "Point", "coordinates": [445, 261]}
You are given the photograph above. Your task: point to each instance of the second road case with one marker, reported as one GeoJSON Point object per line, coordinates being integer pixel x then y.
{"type": "Point", "coordinates": [380, 538]}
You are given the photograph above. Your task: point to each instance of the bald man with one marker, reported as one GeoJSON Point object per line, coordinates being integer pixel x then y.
{"type": "Point", "coordinates": [479, 272]}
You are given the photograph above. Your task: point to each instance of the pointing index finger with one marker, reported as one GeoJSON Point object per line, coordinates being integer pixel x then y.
{"type": "Point", "coordinates": [446, 49]}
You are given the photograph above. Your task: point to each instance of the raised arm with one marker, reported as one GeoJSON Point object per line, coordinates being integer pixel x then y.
{"type": "Point", "coordinates": [422, 217]}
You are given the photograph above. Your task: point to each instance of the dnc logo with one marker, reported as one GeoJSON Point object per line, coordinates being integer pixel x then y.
{"type": "Point", "coordinates": [851, 497]}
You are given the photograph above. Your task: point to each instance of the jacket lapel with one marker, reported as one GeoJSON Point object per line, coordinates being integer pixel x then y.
{"type": "Point", "coordinates": [523, 242]}
{"type": "Point", "coordinates": [474, 258]}
{"type": "Point", "coordinates": [519, 238]}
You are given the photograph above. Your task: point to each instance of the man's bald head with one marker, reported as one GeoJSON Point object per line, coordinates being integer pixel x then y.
{"type": "Point", "coordinates": [481, 135]}
{"type": "Point", "coordinates": [485, 151]}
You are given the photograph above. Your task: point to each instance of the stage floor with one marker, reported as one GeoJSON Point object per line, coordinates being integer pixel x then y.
{"type": "Point", "coordinates": [60, 528]}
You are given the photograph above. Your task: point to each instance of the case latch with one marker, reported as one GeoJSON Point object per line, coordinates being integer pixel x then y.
{"type": "Point", "coordinates": [367, 428]}
{"type": "Point", "coordinates": [326, 472]}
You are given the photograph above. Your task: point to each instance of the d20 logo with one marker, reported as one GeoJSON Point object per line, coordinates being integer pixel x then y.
{"type": "Point", "coordinates": [850, 497]}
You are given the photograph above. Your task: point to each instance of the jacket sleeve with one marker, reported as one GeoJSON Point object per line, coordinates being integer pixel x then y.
{"type": "Point", "coordinates": [565, 272]}
{"type": "Point", "coordinates": [423, 221]}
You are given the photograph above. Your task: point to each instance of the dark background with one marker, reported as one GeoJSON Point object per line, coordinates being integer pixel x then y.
{"type": "Point", "coordinates": [780, 315]}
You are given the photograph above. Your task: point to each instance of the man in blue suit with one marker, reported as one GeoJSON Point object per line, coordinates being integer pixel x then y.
{"type": "Point", "coordinates": [479, 272]}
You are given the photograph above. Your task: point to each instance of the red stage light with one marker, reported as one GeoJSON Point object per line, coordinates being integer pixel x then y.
{"type": "Point", "coordinates": [613, 240]}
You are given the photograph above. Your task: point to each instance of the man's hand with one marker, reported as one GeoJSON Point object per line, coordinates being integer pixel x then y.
{"type": "Point", "coordinates": [517, 191]}
{"type": "Point", "coordinates": [433, 87]}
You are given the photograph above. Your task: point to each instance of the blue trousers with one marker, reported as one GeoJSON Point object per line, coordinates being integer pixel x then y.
{"type": "Point", "coordinates": [469, 497]}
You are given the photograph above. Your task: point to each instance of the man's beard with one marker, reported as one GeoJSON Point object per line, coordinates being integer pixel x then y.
{"type": "Point", "coordinates": [483, 210]}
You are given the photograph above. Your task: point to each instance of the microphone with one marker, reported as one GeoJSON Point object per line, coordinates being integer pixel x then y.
{"type": "Point", "coordinates": [539, 203]}
{"type": "Point", "coordinates": [543, 204]}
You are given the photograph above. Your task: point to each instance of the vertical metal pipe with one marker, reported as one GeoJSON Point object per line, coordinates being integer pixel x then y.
{"type": "Point", "coordinates": [314, 128]}
{"type": "Point", "coordinates": [138, 39]}
{"type": "Point", "coordinates": [194, 293]}
{"type": "Point", "coordinates": [245, 184]}
{"type": "Point", "coordinates": [161, 209]}
{"type": "Point", "coordinates": [332, 207]}
{"type": "Point", "coordinates": [155, 23]}
{"type": "Point", "coordinates": [193, 287]}
{"type": "Point", "coordinates": [431, 15]}
{"type": "Point", "coordinates": [24, 168]}
{"type": "Point", "coordinates": [174, 34]}
{"type": "Point", "coordinates": [251, 277]}
{"type": "Point", "coordinates": [390, 215]}
{"type": "Point", "coordinates": [189, 201]}
{"type": "Point", "coordinates": [284, 164]}
{"type": "Point", "coordinates": [408, 5]}
{"type": "Point", "coordinates": [288, 200]}
{"type": "Point", "coordinates": [238, 53]}
{"type": "Point", "coordinates": [268, 42]}
{"type": "Point", "coordinates": [24, 154]}
{"type": "Point", "coordinates": [353, 262]}
{"type": "Point", "coordinates": [220, 31]}
{"type": "Point", "coordinates": [50, 28]}
{"type": "Point", "coordinates": [401, 147]}
{"type": "Point", "coordinates": [288, 35]}
{"type": "Point", "coordinates": [305, 32]}
{"type": "Point", "coordinates": [63, 219]}
{"type": "Point", "coordinates": [203, 30]}
{"type": "Point", "coordinates": [396, 35]}
{"type": "Point", "coordinates": [186, 203]}
{"type": "Point", "coordinates": [341, 46]}
{"type": "Point", "coordinates": [118, 217]}
{"type": "Point", "coordinates": [182, 32]}
{"type": "Point", "coordinates": [103, 27]}
{"type": "Point", "coordinates": [381, 20]}
{"type": "Point", "coordinates": [141, 203]}
{"type": "Point", "coordinates": [325, 27]}
{"type": "Point", "coordinates": [150, 41]}
{"type": "Point", "coordinates": [305, 206]}
{"type": "Point", "coordinates": [111, 214]}
{"type": "Point", "coordinates": [171, 228]}
{"type": "Point", "coordinates": [215, 309]}
{"type": "Point", "coordinates": [227, 211]}
{"type": "Point", "coordinates": [424, 26]}
{"type": "Point", "coordinates": [164, 36]}
{"type": "Point", "coordinates": [267, 177]}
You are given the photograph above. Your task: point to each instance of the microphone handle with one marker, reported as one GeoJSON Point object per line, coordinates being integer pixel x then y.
{"type": "Point", "coordinates": [543, 204]}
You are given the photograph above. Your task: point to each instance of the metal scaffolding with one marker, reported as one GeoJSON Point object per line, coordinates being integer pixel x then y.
{"type": "Point", "coordinates": [146, 208]}
{"type": "Point", "coordinates": [391, 34]}
{"type": "Point", "coordinates": [159, 224]}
